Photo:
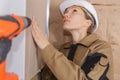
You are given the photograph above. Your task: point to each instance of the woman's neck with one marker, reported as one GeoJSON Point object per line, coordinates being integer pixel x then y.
{"type": "Point", "coordinates": [77, 35]}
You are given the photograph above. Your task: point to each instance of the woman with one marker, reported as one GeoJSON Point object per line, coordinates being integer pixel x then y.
{"type": "Point", "coordinates": [86, 57]}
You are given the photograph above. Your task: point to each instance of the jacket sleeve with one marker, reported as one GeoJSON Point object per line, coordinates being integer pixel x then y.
{"type": "Point", "coordinates": [61, 67]}
{"type": "Point", "coordinates": [65, 69]}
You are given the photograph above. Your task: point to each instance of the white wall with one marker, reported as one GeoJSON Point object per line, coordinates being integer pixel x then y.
{"type": "Point", "coordinates": [16, 57]}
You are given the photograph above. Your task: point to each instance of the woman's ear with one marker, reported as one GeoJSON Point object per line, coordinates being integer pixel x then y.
{"type": "Point", "coordinates": [88, 23]}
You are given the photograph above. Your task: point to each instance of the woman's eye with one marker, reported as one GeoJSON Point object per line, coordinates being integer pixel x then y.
{"type": "Point", "coordinates": [66, 11]}
{"type": "Point", "coordinates": [74, 10]}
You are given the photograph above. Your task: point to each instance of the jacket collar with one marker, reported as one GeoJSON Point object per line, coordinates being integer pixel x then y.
{"type": "Point", "coordinates": [87, 41]}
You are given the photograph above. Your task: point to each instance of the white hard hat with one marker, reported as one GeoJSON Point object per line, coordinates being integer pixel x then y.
{"type": "Point", "coordinates": [83, 3]}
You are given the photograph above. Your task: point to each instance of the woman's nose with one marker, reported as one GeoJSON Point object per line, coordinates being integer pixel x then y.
{"type": "Point", "coordinates": [66, 15]}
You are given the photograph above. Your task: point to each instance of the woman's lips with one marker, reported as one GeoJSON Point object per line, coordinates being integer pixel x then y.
{"type": "Point", "coordinates": [66, 20]}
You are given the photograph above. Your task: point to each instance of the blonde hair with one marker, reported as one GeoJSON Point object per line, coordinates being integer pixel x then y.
{"type": "Point", "coordinates": [89, 16]}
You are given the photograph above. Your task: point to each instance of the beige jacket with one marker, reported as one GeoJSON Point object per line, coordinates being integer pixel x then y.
{"type": "Point", "coordinates": [92, 61]}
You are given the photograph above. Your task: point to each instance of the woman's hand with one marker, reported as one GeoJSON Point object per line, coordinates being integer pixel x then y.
{"type": "Point", "coordinates": [38, 35]}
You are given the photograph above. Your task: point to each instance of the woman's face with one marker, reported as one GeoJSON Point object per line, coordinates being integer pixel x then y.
{"type": "Point", "coordinates": [74, 18]}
